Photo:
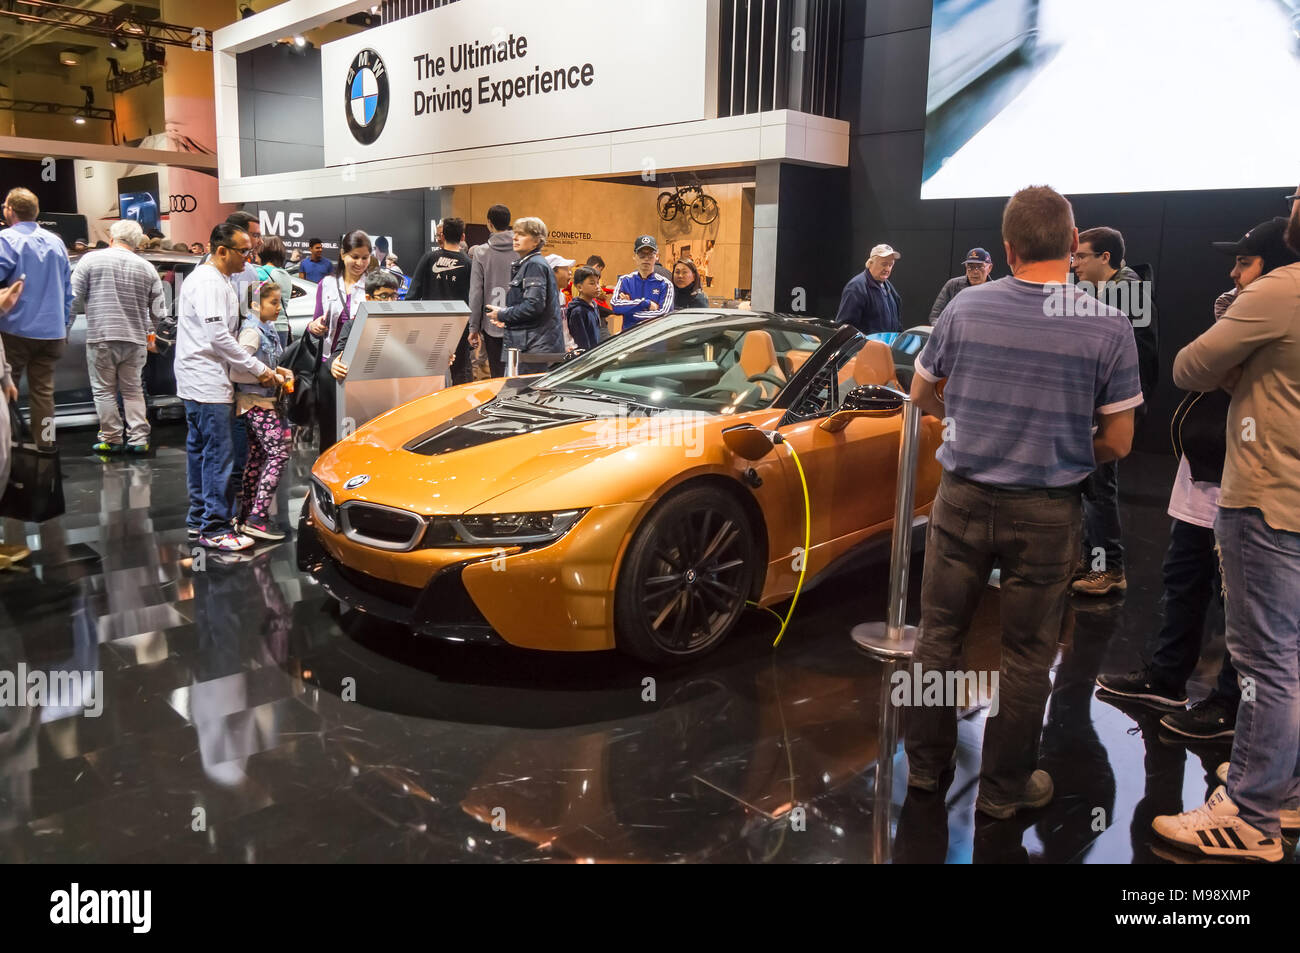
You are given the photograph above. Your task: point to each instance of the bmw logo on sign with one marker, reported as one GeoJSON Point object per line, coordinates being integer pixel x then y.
{"type": "Point", "coordinates": [357, 481]}
{"type": "Point", "coordinates": [367, 96]}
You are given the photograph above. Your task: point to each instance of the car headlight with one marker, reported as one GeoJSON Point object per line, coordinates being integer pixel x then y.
{"type": "Point", "coordinates": [501, 529]}
{"type": "Point", "coordinates": [323, 503]}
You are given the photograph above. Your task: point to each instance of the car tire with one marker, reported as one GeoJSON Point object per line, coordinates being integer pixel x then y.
{"type": "Point", "coordinates": [686, 577]}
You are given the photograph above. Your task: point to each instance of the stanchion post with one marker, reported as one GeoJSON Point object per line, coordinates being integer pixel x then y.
{"type": "Point", "coordinates": [512, 362]}
{"type": "Point", "coordinates": [893, 638]}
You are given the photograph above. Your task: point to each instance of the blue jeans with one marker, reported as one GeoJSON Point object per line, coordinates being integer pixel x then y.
{"type": "Point", "coordinates": [1191, 572]}
{"type": "Point", "coordinates": [208, 461]}
{"type": "Point", "coordinates": [1101, 526]}
{"type": "Point", "coordinates": [239, 459]}
{"type": "Point", "coordinates": [1261, 575]}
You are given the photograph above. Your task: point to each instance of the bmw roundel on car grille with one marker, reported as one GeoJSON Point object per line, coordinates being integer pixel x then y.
{"type": "Point", "coordinates": [367, 96]}
{"type": "Point", "coordinates": [357, 481]}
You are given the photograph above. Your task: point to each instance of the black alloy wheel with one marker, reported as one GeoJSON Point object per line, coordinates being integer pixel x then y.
{"type": "Point", "coordinates": [686, 577]}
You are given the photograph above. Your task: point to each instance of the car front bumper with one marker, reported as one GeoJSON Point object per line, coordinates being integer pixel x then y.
{"type": "Point", "coordinates": [556, 598]}
{"type": "Point", "coordinates": [442, 609]}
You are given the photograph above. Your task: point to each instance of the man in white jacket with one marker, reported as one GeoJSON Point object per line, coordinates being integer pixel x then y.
{"type": "Point", "coordinates": [206, 351]}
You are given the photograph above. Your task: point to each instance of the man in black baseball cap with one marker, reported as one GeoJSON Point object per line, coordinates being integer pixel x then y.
{"type": "Point", "coordinates": [1259, 251]}
{"type": "Point", "coordinates": [979, 264]}
{"type": "Point", "coordinates": [1191, 561]}
{"type": "Point", "coordinates": [644, 293]}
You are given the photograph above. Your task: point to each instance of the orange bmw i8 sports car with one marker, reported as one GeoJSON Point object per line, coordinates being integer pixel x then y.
{"type": "Point", "coordinates": [618, 501]}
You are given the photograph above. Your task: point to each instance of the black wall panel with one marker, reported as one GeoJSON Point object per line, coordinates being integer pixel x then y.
{"type": "Point", "coordinates": [54, 184]}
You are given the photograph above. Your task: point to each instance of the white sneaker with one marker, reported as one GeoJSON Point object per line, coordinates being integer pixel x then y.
{"type": "Point", "coordinates": [1215, 830]}
{"type": "Point", "coordinates": [1289, 818]}
{"type": "Point", "coordinates": [226, 542]}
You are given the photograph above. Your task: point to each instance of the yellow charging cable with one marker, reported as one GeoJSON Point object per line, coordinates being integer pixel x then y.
{"type": "Point", "coordinates": [807, 543]}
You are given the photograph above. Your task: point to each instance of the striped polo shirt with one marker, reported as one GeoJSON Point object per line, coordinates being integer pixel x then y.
{"type": "Point", "coordinates": [1028, 367]}
{"type": "Point", "coordinates": [123, 295]}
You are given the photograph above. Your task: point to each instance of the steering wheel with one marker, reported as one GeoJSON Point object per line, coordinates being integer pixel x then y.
{"type": "Point", "coordinates": [729, 392]}
{"type": "Point", "coordinates": [723, 391]}
{"type": "Point", "coordinates": [769, 378]}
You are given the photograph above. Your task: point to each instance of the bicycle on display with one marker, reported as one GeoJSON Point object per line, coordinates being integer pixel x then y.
{"type": "Point", "coordinates": [688, 199]}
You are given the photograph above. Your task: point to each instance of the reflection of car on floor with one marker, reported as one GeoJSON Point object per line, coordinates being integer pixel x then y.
{"type": "Point", "coordinates": [970, 37]}
{"type": "Point", "coordinates": [74, 405]}
{"type": "Point", "coordinates": [602, 505]}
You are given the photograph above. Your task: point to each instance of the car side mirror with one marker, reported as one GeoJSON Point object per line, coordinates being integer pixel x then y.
{"type": "Point", "coordinates": [747, 442]}
{"type": "Point", "coordinates": [868, 400]}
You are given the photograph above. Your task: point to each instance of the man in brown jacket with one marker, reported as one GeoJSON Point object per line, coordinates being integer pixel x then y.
{"type": "Point", "coordinates": [1254, 352]}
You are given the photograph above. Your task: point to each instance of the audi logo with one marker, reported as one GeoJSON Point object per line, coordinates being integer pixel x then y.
{"type": "Point", "coordinates": [182, 203]}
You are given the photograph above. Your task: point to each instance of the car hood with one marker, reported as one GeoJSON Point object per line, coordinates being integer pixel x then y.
{"type": "Point", "coordinates": [457, 451]}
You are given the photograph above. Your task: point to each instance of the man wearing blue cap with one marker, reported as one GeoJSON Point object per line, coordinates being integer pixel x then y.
{"type": "Point", "coordinates": [979, 265]}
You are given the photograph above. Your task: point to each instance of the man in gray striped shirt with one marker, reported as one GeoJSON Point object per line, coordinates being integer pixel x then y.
{"type": "Point", "coordinates": [123, 297]}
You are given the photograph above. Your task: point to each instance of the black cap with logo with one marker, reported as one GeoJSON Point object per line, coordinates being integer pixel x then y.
{"type": "Point", "coordinates": [978, 256]}
{"type": "Point", "coordinates": [645, 241]}
{"type": "Point", "coordinates": [1267, 240]}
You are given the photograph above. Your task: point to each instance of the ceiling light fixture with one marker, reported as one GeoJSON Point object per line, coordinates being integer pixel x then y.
{"type": "Point", "coordinates": [69, 58]}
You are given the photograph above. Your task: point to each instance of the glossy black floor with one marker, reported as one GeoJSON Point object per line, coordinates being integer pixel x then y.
{"type": "Point", "coordinates": [229, 731]}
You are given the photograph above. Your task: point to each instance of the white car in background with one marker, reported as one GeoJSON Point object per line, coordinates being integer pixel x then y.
{"type": "Point", "coordinates": [73, 402]}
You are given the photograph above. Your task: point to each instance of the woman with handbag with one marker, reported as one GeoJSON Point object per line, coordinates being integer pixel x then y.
{"type": "Point", "coordinates": [337, 299]}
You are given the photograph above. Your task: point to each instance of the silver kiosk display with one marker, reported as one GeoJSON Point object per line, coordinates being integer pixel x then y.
{"type": "Point", "coordinates": [397, 351]}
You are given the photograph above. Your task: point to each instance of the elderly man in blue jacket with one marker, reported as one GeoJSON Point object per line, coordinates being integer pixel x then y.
{"type": "Point", "coordinates": [869, 302]}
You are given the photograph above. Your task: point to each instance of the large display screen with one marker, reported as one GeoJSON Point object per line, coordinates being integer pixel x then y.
{"type": "Point", "coordinates": [139, 199]}
{"type": "Point", "coordinates": [1111, 96]}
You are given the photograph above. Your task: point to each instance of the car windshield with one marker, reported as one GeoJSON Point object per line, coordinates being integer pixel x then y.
{"type": "Point", "coordinates": [906, 345]}
{"type": "Point", "coordinates": [695, 361]}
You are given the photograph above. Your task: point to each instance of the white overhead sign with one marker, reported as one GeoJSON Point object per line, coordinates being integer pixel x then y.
{"type": "Point", "coordinates": [492, 72]}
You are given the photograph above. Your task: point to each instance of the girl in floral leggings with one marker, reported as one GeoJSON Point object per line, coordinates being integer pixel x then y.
{"type": "Point", "coordinates": [269, 434]}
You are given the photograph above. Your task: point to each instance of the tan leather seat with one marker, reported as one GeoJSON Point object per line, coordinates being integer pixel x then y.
{"type": "Point", "coordinates": [758, 355]}
{"type": "Point", "coordinates": [874, 364]}
{"type": "Point", "coordinates": [797, 359]}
